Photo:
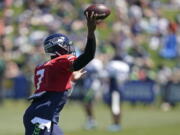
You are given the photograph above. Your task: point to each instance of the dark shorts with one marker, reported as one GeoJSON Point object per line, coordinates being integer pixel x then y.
{"type": "Point", "coordinates": [44, 112]}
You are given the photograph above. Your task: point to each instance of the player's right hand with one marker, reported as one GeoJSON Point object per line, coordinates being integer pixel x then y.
{"type": "Point", "coordinates": [91, 21]}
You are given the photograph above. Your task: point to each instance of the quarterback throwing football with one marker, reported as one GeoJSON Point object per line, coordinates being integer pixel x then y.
{"type": "Point", "coordinates": [53, 81]}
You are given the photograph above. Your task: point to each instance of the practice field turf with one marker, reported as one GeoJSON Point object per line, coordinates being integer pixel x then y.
{"type": "Point", "coordinates": [136, 120]}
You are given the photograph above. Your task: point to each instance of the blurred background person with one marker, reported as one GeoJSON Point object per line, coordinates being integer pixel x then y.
{"type": "Point", "coordinates": [118, 72]}
{"type": "Point", "coordinates": [87, 89]}
{"type": "Point", "coordinates": [2, 75]}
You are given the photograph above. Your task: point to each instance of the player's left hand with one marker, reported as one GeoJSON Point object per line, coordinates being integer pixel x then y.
{"type": "Point", "coordinates": [78, 74]}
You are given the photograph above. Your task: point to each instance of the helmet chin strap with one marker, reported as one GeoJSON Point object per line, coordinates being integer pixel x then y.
{"type": "Point", "coordinates": [57, 53]}
{"type": "Point", "coordinates": [51, 54]}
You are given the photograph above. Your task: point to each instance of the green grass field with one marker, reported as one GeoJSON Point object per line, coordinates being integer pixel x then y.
{"type": "Point", "coordinates": [136, 120]}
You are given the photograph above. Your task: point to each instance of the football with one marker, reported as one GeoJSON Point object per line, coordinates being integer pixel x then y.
{"type": "Point", "coordinates": [100, 10]}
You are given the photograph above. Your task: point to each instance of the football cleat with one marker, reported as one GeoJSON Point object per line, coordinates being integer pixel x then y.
{"type": "Point", "coordinates": [114, 128]}
{"type": "Point", "coordinates": [90, 125]}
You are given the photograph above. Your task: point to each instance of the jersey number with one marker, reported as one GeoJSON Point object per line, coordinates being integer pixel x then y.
{"type": "Point", "coordinates": [40, 73]}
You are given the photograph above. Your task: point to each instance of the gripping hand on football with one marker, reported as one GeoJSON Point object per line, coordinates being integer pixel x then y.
{"type": "Point", "coordinates": [90, 48]}
{"type": "Point", "coordinates": [91, 22]}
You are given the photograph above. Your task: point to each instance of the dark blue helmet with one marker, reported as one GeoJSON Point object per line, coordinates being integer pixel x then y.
{"type": "Point", "coordinates": [58, 44]}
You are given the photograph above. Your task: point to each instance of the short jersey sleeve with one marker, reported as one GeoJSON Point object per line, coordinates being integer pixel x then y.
{"type": "Point", "coordinates": [64, 63]}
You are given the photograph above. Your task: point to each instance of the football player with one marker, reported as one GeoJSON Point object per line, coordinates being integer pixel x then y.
{"type": "Point", "coordinates": [53, 81]}
{"type": "Point", "coordinates": [118, 72]}
{"type": "Point", "coordinates": [88, 87]}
